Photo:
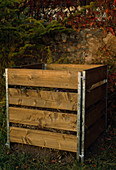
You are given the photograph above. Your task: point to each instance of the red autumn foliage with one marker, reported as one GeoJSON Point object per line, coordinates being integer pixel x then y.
{"type": "Point", "coordinates": [102, 14]}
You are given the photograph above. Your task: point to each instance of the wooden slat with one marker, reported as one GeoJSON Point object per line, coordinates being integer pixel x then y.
{"type": "Point", "coordinates": [96, 85]}
{"type": "Point", "coordinates": [30, 66]}
{"type": "Point", "coordinates": [43, 78]}
{"type": "Point", "coordinates": [95, 95]}
{"type": "Point", "coordinates": [46, 99]}
{"type": "Point", "coordinates": [40, 118]}
{"type": "Point", "coordinates": [95, 75]}
{"type": "Point", "coordinates": [43, 139]}
{"type": "Point", "coordinates": [93, 133]}
{"type": "Point", "coordinates": [71, 67]}
{"type": "Point", "coordinates": [94, 113]}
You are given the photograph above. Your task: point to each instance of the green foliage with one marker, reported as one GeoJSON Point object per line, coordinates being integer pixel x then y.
{"type": "Point", "coordinates": [2, 122]}
{"type": "Point", "coordinates": [49, 59]}
{"type": "Point", "coordinates": [62, 60]}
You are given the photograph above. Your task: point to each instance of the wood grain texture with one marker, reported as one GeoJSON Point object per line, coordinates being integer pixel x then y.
{"type": "Point", "coordinates": [70, 67]}
{"type": "Point", "coordinates": [43, 139]}
{"type": "Point", "coordinates": [43, 78]}
{"type": "Point", "coordinates": [30, 66]}
{"type": "Point", "coordinates": [95, 75]}
{"type": "Point", "coordinates": [94, 113]}
{"type": "Point", "coordinates": [40, 118]}
{"type": "Point", "coordinates": [95, 95]}
{"type": "Point", "coordinates": [46, 99]}
{"type": "Point", "coordinates": [93, 133]}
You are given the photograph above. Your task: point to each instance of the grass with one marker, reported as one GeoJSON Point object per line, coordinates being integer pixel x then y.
{"type": "Point", "coordinates": [101, 156]}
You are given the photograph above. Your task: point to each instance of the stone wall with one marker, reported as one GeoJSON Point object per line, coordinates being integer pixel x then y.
{"type": "Point", "coordinates": [76, 47]}
{"type": "Point", "coordinates": [81, 47]}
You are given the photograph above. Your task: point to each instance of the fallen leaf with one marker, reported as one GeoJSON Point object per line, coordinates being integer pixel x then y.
{"type": "Point", "coordinates": [53, 161]}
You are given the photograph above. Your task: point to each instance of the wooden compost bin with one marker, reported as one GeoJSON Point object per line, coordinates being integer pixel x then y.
{"type": "Point", "coordinates": [60, 106]}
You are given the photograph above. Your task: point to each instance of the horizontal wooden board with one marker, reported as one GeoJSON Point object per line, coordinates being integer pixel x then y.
{"type": "Point", "coordinates": [70, 67]}
{"type": "Point", "coordinates": [46, 99]}
{"type": "Point", "coordinates": [30, 66]}
{"type": "Point", "coordinates": [94, 113]}
{"type": "Point", "coordinates": [43, 139]}
{"type": "Point", "coordinates": [95, 95]}
{"type": "Point", "coordinates": [43, 78]}
{"type": "Point", "coordinates": [95, 75]}
{"type": "Point", "coordinates": [93, 133]}
{"type": "Point", "coordinates": [96, 85]}
{"type": "Point", "coordinates": [40, 118]}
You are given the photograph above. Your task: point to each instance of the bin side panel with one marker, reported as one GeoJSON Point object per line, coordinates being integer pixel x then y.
{"type": "Point", "coordinates": [43, 78]}
{"type": "Point", "coordinates": [96, 95]}
{"type": "Point", "coordinates": [95, 75]}
{"type": "Point", "coordinates": [43, 139]}
{"type": "Point", "coordinates": [94, 131]}
{"type": "Point", "coordinates": [43, 118]}
{"type": "Point", "coordinates": [30, 66]}
{"type": "Point", "coordinates": [71, 67]}
{"type": "Point", "coordinates": [95, 112]}
{"type": "Point", "coordinates": [46, 99]}
{"type": "Point", "coordinates": [96, 82]}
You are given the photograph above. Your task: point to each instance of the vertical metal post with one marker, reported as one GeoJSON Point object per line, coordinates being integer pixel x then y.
{"type": "Point", "coordinates": [44, 66]}
{"type": "Point", "coordinates": [79, 104]}
{"type": "Point", "coordinates": [106, 101]}
{"type": "Point", "coordinates": [7, 110]}
{"type": "Point", "coordinates": [83, 116]}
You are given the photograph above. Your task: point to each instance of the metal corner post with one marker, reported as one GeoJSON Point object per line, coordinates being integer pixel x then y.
{"type": "Point", "coordinates": [106, 102]}
{"type": "Point", "coordinates": [83, 115]}
{"type": "Point", "coordinates": [44, 66]}
{"type": "Point", "coordinates": [7, 110]}
{"type": "Point", "coordinates": [79, 104]}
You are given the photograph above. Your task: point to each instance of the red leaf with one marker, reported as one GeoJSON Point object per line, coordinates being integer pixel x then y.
{"type": "Point", "coordinates": [114, 2]}
{"type": "Point", "coordinates": [104, 32]}
{"type": "Point", "coordinates": [113, 106]}
{"type": "Point", "coordinates": [112, 31]}
{"type": "Point", "coordinates": [45, 16]}
{"type": "Point", "coordinates": [70, 23]}
{"type": "Point", "coordinates": [89, 160]}
{"type": "Point", "coordinates": [106, 11]}
{"type": "Point", "coordinates": [50, 19]}
{"type": "Point", "coordinates": [58, 14]}
{"type": "Point", "coordinates": [109, 17]}
{"type": "Point", "coordinates": [111, 133]}
{"type": "Point", "coordinates": [53, 161]}
{"type": "Point", "coordinates": [91, 24]}
{"type": "Point", "coordinates": [102, 149]}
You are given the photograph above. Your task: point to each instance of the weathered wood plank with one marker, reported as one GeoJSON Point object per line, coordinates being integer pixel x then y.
{"type": "Point", "coordinates": [40, 118]}
{"type": "Point", "coordinates": [95, 75]}
{"type": "Point", "coordinates": [71, 67]}
{"type": "Point", "coordinates": [93, 133]}
{"type": "Point", "coordinates": [46, 99]}
{"type": "Point", "coordinates": [43, 139]}
{"type": "Point", "coordinates": [43, 78]}
{"type": "Point", "coordinates": [94, 113]}
{"type": "Point", "coordinates": [95, 95]}
{"type": "Point", "coordinates": [30, 66]}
